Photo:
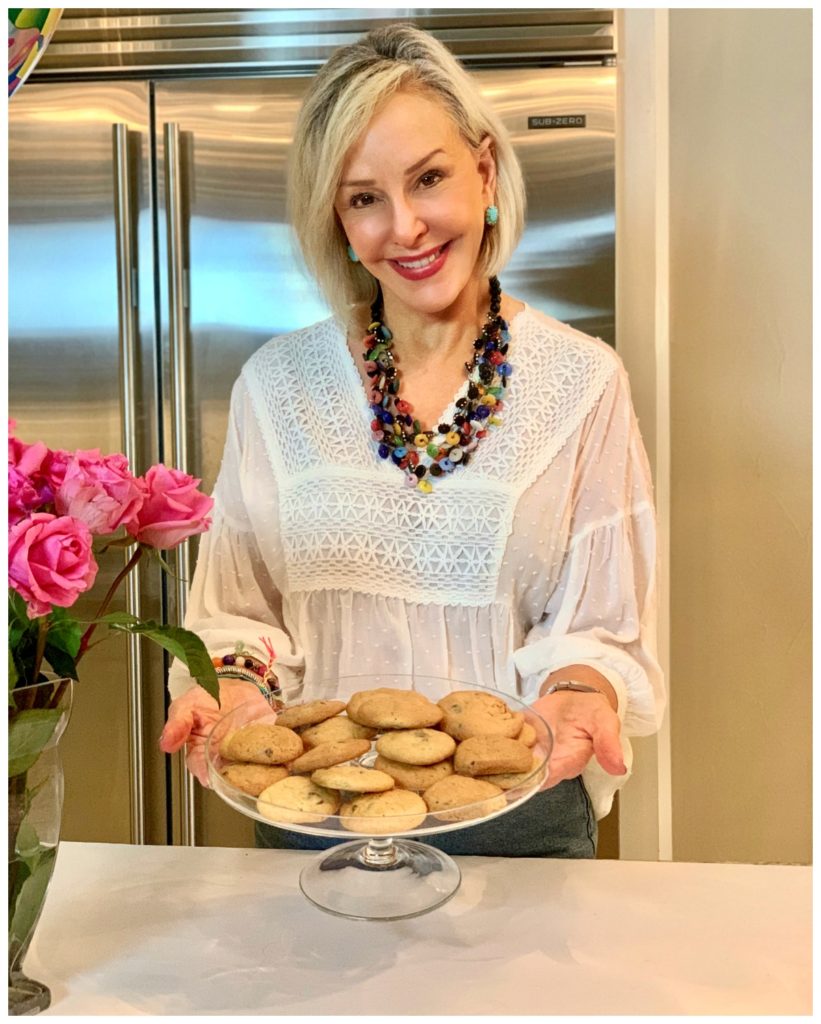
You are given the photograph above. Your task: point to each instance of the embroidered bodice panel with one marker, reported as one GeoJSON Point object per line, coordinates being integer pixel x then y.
{"type": "Point", "coordinates": [346, 518]}
{"type": "Point", "coordinates": [538, 554]}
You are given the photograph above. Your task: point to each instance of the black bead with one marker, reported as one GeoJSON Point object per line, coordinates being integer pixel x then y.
{"type": "Point", "coordinates": [387, 381]}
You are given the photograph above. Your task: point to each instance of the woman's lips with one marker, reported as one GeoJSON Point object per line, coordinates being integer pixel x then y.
{"type": "Point", "coordinates": [424, 265]}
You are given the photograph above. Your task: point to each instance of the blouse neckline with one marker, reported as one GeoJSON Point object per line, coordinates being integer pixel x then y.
{"type": "Point", "coordinates": [358, 385]}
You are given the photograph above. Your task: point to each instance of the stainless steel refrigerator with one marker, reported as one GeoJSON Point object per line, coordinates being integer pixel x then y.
{"type": "Point", "coordinates": [149, 257]}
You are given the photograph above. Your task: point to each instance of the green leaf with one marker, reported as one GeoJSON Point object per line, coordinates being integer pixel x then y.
{"type": "Point", "coordinates": [182, 644]}
{"type": "Point", "coordinates": [32, 791]}
{"type": "Point", "coordinates": [166, 567]}
{"type": "Point", "coordinates": [24, 663]}
{"type": "Point", "coordinates": [65, 632]}
{"type": "Point", "coordinates": [115, 619]}
{"type": "Point", "coordinates": [17, 609]}
{"type": "Point", "coordinates": [16, 632]}
{"type": "Point", "coordinates": [27, 844]}
{"type": "Point", "coordinates": [26, 908]}
{"type": "Point", "coordinates": [22, 635]}
{"type": "Point", "coordinates": [61, 662]}
{"type": "Point", "coordinates": [156, 554]}
{"type": "Point", "coordinates": [13, 676]}
{"type": "Point", "coordinates": [29, 732]}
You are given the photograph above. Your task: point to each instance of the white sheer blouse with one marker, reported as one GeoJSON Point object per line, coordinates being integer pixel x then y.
{"type": "Point", "coordinates": [538, 554]}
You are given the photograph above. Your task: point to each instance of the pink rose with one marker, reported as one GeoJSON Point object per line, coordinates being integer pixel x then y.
{"type": "Point", "coordinates": [100, 491]}
{"type": "Point", "coordinates": [23, 496]}
{"type": "Point", "coordinates": [173, 510]}
{"type": "Point", "coordinates": [50, 561]}
{"type": "Point", "coordinates": [54, 468]}
{"type": "Point", "coordinates": [43, 467]}
{"type": "Point", "coordinates": [28, 458]}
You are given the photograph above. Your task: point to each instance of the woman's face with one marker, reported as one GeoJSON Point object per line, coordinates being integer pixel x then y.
{"type": "Point", "coordinates": [412, 202]}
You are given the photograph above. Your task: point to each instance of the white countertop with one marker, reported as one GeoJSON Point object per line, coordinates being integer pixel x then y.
{"type": "Point", "coordinates": [167, 930]}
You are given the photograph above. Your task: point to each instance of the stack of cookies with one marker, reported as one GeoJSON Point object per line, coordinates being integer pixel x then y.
{"type": "Point", "coordinates": [453, 759]}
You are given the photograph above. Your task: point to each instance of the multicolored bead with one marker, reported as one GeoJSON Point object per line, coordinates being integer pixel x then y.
{"type": "Point", "coordinates": [402, 437]}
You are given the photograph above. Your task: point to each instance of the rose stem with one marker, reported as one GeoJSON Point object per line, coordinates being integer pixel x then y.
{"type": "Point", "coordinates": [107, 600]}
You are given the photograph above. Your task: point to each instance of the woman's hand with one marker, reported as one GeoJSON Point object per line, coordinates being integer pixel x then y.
{"type": "Point", "coordinates": [192, 716]}
{"type": "Point", "coordinates": [584, 725]}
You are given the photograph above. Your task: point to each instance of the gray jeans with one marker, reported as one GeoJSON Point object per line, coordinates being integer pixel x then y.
{"type": "Point", "coordinates": [557, 822]}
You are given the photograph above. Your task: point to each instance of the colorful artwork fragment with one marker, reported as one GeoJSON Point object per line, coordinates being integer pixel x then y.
{"type": "Point", "coordinates": [30, 31]}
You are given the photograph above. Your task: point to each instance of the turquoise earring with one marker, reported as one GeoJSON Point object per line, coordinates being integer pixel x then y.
{"type": "Point", "coordinates": [492, 216]}
{"type": "Point", "coordinates": [352, 255]}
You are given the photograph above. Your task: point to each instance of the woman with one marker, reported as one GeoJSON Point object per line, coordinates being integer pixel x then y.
{"type": "Point", "coordinates": [366, 518]}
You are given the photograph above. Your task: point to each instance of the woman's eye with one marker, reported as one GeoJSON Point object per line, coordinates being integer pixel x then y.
{"type": "Point", "coordinates": [361, 200]}
{"type": "Point", "coordinates": [430, 178]}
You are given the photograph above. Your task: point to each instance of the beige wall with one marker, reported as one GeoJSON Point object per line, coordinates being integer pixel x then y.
{"type": "Point", "coordinates": [740, 422]}
{"type": "Point", "coordinates": [642, 342]}
{"type": "Point", "coordinates": [713, 315]}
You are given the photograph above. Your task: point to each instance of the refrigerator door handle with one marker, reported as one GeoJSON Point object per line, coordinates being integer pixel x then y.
{"type": "Point", "coordinates": [128, 332]}
{"type": "Point", "coordinates": [177, 337]}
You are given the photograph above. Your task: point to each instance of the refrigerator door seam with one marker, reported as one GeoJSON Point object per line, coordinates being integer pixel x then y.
{"type": "Point", "coordinates": [127, 296]}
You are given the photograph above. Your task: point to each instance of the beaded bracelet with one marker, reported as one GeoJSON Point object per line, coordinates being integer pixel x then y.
{"type": "Point", "coordinates": [234, 666]}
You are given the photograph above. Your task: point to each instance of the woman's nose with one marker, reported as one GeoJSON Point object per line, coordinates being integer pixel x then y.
{"type": "Point", "coordinates": [408, 226]}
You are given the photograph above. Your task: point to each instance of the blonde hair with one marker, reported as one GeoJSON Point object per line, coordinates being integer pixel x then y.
{"type": "Point", "coordinates": [342, 99]}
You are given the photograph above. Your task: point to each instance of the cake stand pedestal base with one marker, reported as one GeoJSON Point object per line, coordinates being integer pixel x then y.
{"type": "Point", "coordinates": [380, 879]}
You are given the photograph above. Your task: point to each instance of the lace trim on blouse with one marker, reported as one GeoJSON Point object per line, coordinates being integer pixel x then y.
{"type": "Point", "coordinates": [343, 509]}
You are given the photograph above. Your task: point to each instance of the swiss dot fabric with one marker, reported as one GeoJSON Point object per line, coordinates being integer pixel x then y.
{"type": "Point", "coordinates": [538, 554]}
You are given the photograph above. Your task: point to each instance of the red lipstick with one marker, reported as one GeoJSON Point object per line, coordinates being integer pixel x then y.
{"type": "Point", "coordinates": [431, 262]}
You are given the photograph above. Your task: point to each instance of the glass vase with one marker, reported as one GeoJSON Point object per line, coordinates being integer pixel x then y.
{"type": "Point", "coordinates": [38, 716]}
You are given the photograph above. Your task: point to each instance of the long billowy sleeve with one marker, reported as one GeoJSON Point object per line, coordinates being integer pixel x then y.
{"type": "Point", "coordinates": [602, 611]}
{"type": "Point", "coordinates": [234, 600]}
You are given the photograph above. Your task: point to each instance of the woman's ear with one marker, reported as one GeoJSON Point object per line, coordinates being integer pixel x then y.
{"type": "Point", "coordinates": [486, 166]}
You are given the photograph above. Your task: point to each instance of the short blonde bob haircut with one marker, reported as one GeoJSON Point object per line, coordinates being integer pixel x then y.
{"type": "Point", "coordinates": [346, 93]}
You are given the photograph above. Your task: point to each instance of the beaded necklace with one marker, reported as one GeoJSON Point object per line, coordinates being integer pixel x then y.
{"type": "Point", "coordinates": [424, 455]}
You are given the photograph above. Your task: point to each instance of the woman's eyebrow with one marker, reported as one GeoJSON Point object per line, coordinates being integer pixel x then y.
{"type": "Point", "coordinates": [369, 182]}
{"type": "Point", "coordinates": [424, 160]}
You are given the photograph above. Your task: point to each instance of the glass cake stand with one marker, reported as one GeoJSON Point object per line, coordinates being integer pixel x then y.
{"type": "Point", "coordinates": [373, 876]}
